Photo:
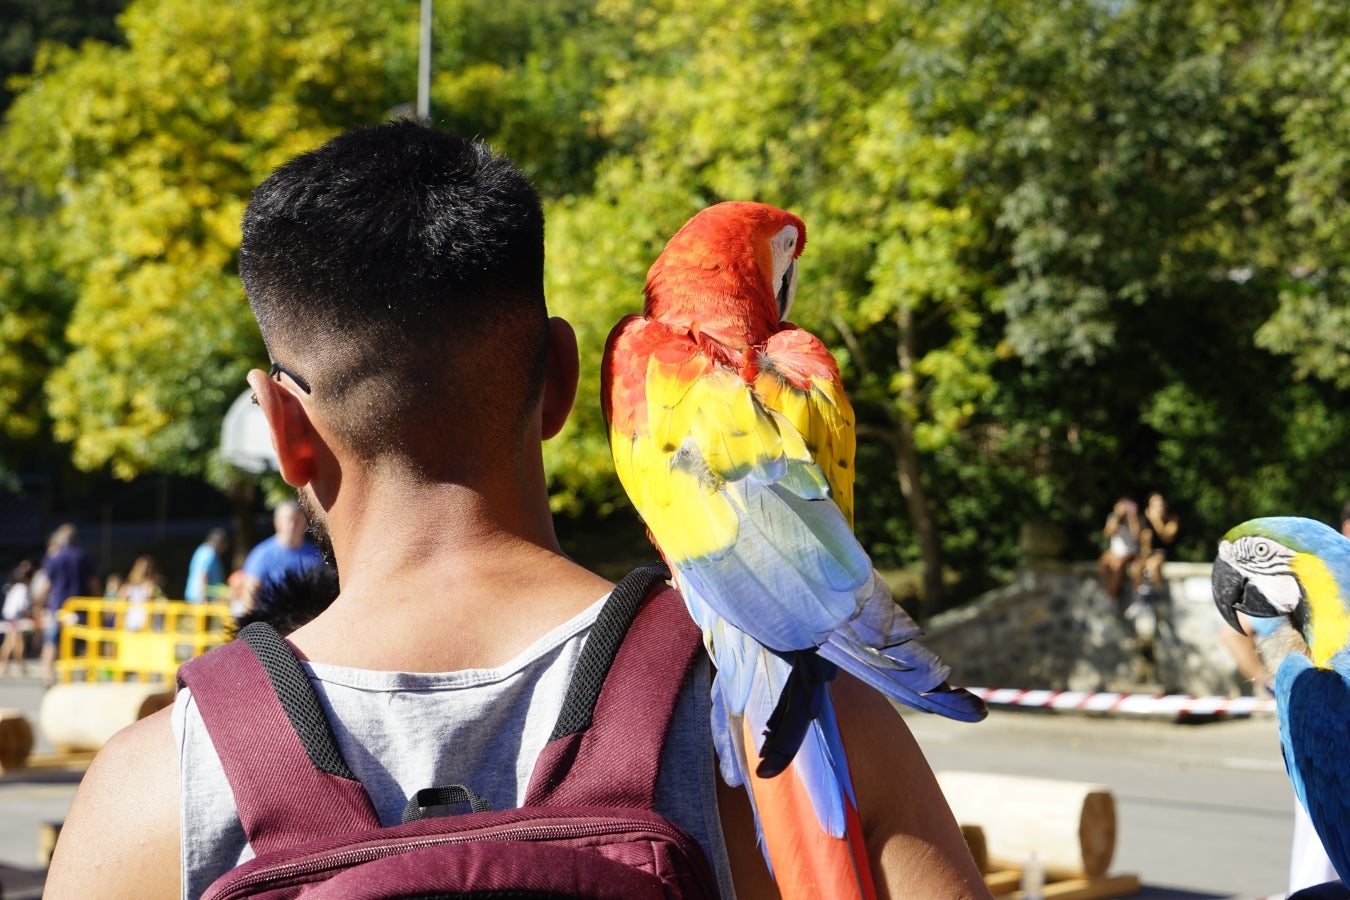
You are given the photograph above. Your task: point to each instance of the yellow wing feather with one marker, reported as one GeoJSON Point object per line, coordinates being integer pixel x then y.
{"type": "Point", "coordinates": [799, 379]}
{"type": "Point", "coordinates": [699, 425]}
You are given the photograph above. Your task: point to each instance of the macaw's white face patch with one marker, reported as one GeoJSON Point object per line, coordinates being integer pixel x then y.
{"type": "Point", "coordinates": [1268, 566]}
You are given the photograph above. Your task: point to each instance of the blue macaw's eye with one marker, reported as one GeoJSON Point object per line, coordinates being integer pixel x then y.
{"type": "Point", "coordinates": [1261, 550]}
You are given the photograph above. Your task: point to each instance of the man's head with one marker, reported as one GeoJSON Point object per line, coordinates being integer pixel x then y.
{"type": "Point", "coordinates": [218, 539]}
{"type": "Point", "coordinates": [398, 272]}
{"type": "Point", "coordinates": [65, 535]}
{"type": "Point", "coordinates": [289, 523]}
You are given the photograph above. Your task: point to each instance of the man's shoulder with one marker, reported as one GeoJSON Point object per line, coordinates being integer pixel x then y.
{"type": "Point", "coordinates": [265, 545]}
{"type": "Point", "coordinates": [260, 552]}
{"type": "Point", "coordinates": [68, 556]}
{"type": "Point", "coordinates": [121, 836]}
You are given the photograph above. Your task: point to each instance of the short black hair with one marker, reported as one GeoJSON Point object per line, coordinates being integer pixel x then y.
{"type": "Point", "coordinates": [399, 270]}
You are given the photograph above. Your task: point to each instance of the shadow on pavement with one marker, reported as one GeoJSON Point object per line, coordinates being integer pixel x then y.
{"type": "Point", "coordinates": [41, 776]}
{"type": "Point", "coordinates": [21, 884]}
{"type": "Point", "coordinates": [1162, 892]}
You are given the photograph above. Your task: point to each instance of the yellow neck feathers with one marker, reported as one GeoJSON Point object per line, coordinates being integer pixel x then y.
{"type": "Point", "coordinates": [1329, 621]}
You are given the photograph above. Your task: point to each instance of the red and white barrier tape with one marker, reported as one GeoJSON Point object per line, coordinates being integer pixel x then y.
{"type": "Point", "coordinates": [1138, 704]}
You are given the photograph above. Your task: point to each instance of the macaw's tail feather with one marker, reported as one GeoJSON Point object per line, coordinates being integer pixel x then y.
{"type": "Point", "coordinates": [813, 837]}
{"type": "Point", "coordinates": [905, 679]}
{"type": "Point", "coordinates": [878, 648]}
{"type": "Point", "coordinates": [798, 705]}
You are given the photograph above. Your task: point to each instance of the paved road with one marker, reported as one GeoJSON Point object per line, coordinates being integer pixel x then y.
{"type": "Point", "coordinates": [1204, 811]}
{"type": "Point", "coordinates": [28, 799]}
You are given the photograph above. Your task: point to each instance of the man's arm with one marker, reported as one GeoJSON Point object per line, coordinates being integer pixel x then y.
{"type": "Point", "coordinates": [199, 586]}
{"type": "Point", "coordinates": [913, 841]}
{"type": "Point", "coordinates": [1245, 654]}
{"type": "Point", "coordinates": [121, 837]}
{"type": "Point", "coordinates": [90, 582]}
{"type": "Point", "coordinates": [248, 591]}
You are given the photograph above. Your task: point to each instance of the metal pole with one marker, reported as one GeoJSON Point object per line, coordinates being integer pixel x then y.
{"type": "Point", "coordinates": [424, 65]}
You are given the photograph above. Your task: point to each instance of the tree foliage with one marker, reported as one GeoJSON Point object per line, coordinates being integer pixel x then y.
{"type": "Point", "coordinates": [1063, 251]}
{"type": "Point", "coordinates": [28, 23]}
{"type": "Point", "coordinates": [141, 157]}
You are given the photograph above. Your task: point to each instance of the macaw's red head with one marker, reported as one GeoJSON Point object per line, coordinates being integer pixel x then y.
{"type": "Point", "coordinates": [730, 273]}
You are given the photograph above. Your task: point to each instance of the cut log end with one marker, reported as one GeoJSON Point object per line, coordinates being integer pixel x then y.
{"type": "Point", "coordinates": [78, 717]}
{"type": "Point", "coordinates": [1070, 826]}
{"type": "Point", "coordinates": [16, 739]}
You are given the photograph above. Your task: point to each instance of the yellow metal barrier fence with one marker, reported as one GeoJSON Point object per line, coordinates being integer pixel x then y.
{"type": "Point", "coordinates": [97, 644]}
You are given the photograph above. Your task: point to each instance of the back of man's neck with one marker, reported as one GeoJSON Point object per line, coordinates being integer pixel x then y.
{"type": "Point", "coordinates": [445, 585]}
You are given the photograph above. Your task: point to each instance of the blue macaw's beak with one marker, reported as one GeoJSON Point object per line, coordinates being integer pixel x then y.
{"type": "Point", "coordinates": [1233, 594]}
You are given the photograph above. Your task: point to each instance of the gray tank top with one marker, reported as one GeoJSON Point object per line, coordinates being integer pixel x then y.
{"type": "Point", "coordinates": [484, 728]}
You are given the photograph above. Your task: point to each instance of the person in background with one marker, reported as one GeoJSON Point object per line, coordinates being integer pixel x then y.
{"type": "Point", "coordinates": [1309, 864]}
{"type": "Point", "coordinates": [142, 586]}
{"type": "Point", "coordinates": [206, 570]}
{"type": "Point", "coordinates": [1122, 535]}
{"type": "Point", "coordinates": [14, 615]}
{"type": "Point", "coordinates": [1158, 537]}
{"type": "Point", "coordinates": [70, 574]}
{"type": "Point", "coordinates": [285, 551]}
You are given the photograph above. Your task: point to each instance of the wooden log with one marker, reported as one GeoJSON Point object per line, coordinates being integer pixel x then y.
{"type": "Point", "coordinates": [979, 848]}
{"type": "Point", "coordinates": [1003, 881]}
{"type": "Point", "coordinates": [47, 834]}
{"type": "Point", "coordinates": [1006, 883]}
{"type": "Point", "coordinates": [1069, 825]}
{"type": "Point", "coordinates": [1093, 888]}
{"type": "Point", "coordinates": [16, 739]}
{"type": "Point", "coordinates": [78, 717]}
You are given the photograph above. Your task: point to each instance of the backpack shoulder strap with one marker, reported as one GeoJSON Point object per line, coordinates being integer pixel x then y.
{"type": "Point", "coordinates": [278, 749]}
{"type": "Point", "coordinates": [606, 747]}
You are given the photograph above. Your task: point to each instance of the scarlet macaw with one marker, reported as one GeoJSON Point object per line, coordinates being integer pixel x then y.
{"type": "Point", "coordinates": [1300, 569]}
{"type": "Point", "coordinates": [731, 433]}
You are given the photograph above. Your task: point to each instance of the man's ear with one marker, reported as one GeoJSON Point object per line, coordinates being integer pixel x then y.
{"type": "Point", "coordinates": [293, 435]}
{"type": "Point", "coordinates": [560, 378]}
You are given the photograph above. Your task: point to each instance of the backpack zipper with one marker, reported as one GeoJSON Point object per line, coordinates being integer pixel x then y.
{"type": "Point", "coordinates": [343, 858]}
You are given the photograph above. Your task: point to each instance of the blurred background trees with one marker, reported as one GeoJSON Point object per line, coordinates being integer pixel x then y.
{"type": "Point", "coordinates": [1062, 251]}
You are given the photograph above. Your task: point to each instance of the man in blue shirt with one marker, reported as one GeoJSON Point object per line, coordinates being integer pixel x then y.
{"type": "Point", "coordinates": [70, 574]}
{"type": "Point", "coordinates": [285, 551]}
{"type": "Point", "coordinates": [206, 570]}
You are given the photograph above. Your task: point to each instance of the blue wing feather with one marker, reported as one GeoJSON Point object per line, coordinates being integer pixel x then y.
{"type": "Point", "coordinates": [793, 575]}
{"type": "Point", "coordinates": [1314, 711]}
{"type": "Point", "coordinates": [750, 679]}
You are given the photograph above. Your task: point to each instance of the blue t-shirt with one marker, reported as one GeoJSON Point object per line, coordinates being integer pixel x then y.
{"type": "Point", "coordinates": [69, 571]}
{"type": "Point", "coordinates": [205, 560]}
{"type": "Point", "coordinates": [270, 560]}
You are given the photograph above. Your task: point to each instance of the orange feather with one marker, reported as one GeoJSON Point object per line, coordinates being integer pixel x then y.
{"type": "Point", "coordinates": [807, 862]}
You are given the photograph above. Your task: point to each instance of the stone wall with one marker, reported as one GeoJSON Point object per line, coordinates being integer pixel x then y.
{"type": "Point", "coordinates": [1055, 628]}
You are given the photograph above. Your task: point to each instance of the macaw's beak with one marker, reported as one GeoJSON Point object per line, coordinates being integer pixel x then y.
{"type": "Point", "coordinates": [1233, 593]}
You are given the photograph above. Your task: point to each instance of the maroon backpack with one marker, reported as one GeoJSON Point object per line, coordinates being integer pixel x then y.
{"type": "Point", "coordinates": [587, 828]}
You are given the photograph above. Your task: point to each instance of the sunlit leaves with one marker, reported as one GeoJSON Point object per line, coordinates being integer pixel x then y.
{"type": "Point", "coordinates": [143, 156]}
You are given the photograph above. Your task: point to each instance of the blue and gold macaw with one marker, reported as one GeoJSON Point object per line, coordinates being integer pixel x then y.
{"type": "Point", "coordinates": [1300, 569]}
{"type": "Point", "coordinates": [731, 433]}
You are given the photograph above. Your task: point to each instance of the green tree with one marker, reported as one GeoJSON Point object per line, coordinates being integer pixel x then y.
{"type": "Point", "coordinates": [1061, 251]}
{"type": "Point", "coordinates": [142, 157]}
{"type": "Point", "coordinates": [1132, 170]}
{"type": "Point", "coordinates": [30, 22]}
{"type": "Point", "coordinates": [1305, 66]}
{"type": "Point", "coordinates": [526, 76]}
